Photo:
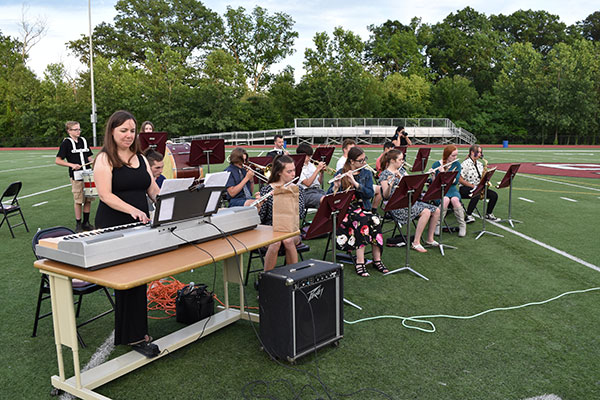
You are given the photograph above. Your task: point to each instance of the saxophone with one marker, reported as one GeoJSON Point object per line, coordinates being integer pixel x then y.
{"type": "Point", "coordinates": [485, 170]}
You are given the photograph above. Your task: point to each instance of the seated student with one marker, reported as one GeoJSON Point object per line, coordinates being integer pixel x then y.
{"type": "Point", "coordinates": [146, 126]}
{"type": "Point", "coordinates": [241, 180]}
{"type": "Point", "coordinates": [389, 179]}
{"type": "Point", "coordinates": [449, 158]}
{"type": "Point", "coordinates": [283, 171]}
{"type": "Point", "coordinates": [360, 226]}
{"type": "Point", "coordinates": [470, 175]}
{"type": "Point", "coordinates": [278, 150]}
{"type": "Point", "coordinates": [347, 144]}
{"type": "Point", "coordinates": [310, 178]}
{"type": "Point", "coordinates": [387, 146]}
{"type": "Point", "coordinates": [156, 165]}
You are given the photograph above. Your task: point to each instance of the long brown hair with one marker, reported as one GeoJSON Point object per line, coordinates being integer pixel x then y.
{"type": "Point", "coordinates": [447, 151]}
{"type": "Point", "coordinates": [353, 155]}
{"type": "Point", "coordinates": [110, 146]}
{"type": "Point", "coordinates": [278, 166]}
{"type": "Point", "coordinates": [389, 156]}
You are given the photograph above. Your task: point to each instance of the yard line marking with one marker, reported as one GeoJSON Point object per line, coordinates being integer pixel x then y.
{"type": "Point", "coordinates": [527, 200]}
{"type": "Point", "coordinates": [547, 246]}
{"type": "Point", "coordinates": [39, 204]}
{"type": "Point", "coordinates": [21, 169]}
{"type": "Point", "coordinates": [561, 183]}
{"type": "Point", "coordinates": [568, 199]}
{"type": "Point", "coordinates": [44, 191]}
{"type": "Point", "coordinates": [99, 357]}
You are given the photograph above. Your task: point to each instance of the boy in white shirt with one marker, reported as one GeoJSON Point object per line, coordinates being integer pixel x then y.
{"type": "Point", "coordinates": [311, 176]}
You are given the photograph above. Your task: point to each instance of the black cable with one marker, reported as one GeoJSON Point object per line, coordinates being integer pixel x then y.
{"type": "Point", "coordinates": [214, 262]}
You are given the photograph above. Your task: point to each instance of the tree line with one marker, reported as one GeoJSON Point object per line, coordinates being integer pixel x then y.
{"type": "Point", "coordinates": [525, 77]}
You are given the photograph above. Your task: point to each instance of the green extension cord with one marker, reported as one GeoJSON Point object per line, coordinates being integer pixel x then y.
{"type": "Point", "coordinates": [423, 318]}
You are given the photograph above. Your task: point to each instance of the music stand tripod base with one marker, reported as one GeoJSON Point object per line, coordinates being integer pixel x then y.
{"type": "Point", "coordinates": [334, 215]}
{"type": "Point", "coordinates": [510, 221]}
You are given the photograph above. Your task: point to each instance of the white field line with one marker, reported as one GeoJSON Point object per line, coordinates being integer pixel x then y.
{"type": "Point", "coordinates": [561, 183]}
{"type": "Point", "coordinates": [527, 200]}
{"type": "Point", "coordinates": [99, 357]}
{"type": "Point", "coordinates": [24, 168]}
{"type": "Point", "coordinates": [39, 204]}
{"type": "Point", "coordinates": [547, 246]}
{"type": "Point", "coordinates": [568, 199]}
{"type": "Point", "coordinates": [44, 191]}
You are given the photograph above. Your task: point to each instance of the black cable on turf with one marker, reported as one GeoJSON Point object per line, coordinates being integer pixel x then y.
{"type": "Point", "coordinates": [214, 262]}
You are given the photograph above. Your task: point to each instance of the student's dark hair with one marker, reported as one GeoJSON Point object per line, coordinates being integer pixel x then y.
{"type": "Point", "coordinates": [277, 136]}
{"type": "Point", "coordinates": [304, 148]}
{"type": "Point", "coordinates": [153, 156]}
{"type": "Point", "coordinates": [398, 129]}
{"type": "Point", "coordinates": [473, 149]}
{"type": "Point", "coordinates": [118, 118]}
{"type": "Point", "coordinates": [353, 155]}
{"type": "Point", "coordinates": [237, 155]}
{"type": "Point", "coordinates": [347, 142]}
{"type": "Point", "coordinates": [278, 165]}
{"type": "Point", "coordinates": [143, 126]}
{"type": "Point", "coordinates": [388, 145]}
{"type": "Point", "coordinates": [389, 156]}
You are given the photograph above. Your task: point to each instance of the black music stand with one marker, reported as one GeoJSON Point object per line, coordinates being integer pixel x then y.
{"type": "Point", "coordinates": [507, 181]}
{"type": "Point", "coordinates": [421, 159]}
{"type": "Point", "coordinates": [330, 215]}
{"type": "Point", "coordinates": [409, 189]}
{"type": "Point", "coordinates": [483, 185]}
{"type": "Point", "coordinates": [437, 190]}
{"type": "Point", "coordinates": [155, 140]}
{"type": "Point", "coordinates": [207, 151]}
{"type": "Point", "coordinates": [323, 154]}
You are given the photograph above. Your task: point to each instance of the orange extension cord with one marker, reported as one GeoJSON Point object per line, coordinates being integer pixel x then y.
{"type": "Point", "coordinates": [162, 293]}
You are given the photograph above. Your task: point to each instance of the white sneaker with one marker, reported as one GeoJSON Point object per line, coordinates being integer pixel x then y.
{"type": "Point", "coordinates": [491, 217]}
{"type": "Point", "coordinates": [469, 219]}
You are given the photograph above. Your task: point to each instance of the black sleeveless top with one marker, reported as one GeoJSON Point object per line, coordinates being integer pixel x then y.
{"type": "Point", "coordinates": [130, 185]}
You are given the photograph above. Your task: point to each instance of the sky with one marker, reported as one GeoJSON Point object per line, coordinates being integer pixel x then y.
{"type": "Point", "coordinates": [67, 20]}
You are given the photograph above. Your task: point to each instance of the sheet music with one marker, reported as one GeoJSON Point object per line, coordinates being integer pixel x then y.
{"type": "Point", "coordinates": [175, 185]}
{"type": "Point", "coordinates": [166, 209]}
{"type": "Point", "coordinates": [216, 179]}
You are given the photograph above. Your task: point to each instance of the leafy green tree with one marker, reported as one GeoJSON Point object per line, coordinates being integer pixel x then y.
{"type": "Point", "coordinates": [183, 26]}
{"type": "Point", "coordinates": [258, 40]}
{"type": "Point", "coordinates": [465, 44]}
{"type": "Point", "coordinates": [397, 48]}
{"type": "Point", "coordinates": [589, 28]}
{"type": "Point", "coordinates": [454, 98]}
{"type": "Point", "coordinates": [406, 96]}
{"type": "Point", "coordinates": [540, 28]}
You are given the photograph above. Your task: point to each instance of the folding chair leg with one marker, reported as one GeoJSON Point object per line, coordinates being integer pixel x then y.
{"type": "Point", "coordinates": [38, 308]}
{"type": "Point", "coordinates": [23, 218]}
{"type": "Point", "coordinates": [112, 303]}
{"type": "Point", "coordinates": [79, 305]}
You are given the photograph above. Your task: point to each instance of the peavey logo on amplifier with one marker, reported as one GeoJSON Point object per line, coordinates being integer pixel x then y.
{"type": "Point", "coordinates": [316, 293]}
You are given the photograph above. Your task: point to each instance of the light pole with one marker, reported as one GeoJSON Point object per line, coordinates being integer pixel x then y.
{"type": "Point", "coordinates": [93, 116]}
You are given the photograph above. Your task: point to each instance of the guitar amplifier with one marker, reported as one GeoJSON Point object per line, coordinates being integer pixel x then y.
{"type": "Point", "coordinates": [301, 308]}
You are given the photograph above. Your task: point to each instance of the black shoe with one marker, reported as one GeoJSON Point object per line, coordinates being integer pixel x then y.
{"type": "Point", "coordinates": [88, 227]}
{"type": "Point", "coordinates": [78, 227]}
{"type": "Point", "coordinates": [147, 349]}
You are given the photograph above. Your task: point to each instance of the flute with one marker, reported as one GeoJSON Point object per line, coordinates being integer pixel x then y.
{"type": "Point", "coordinates": [340, 176]}
{"type": "Point", "coordinates": [264, 197]}
{"type": "Point", "coordinates": [432, 170]}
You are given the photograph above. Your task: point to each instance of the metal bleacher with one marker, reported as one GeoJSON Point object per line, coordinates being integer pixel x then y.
{"type": "Point", "coordinates": [363, 130]}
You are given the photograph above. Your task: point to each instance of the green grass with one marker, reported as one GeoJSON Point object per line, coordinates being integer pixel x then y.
{"type": "Point", "coordinates": [551, 348]}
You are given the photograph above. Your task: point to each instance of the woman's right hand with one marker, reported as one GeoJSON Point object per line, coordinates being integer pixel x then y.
{"type": "Point", "coordinates": [139, 215]}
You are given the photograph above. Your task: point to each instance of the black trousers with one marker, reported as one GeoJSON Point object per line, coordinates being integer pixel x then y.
{"type": "Point", "coordinates": [131, 315]}
{"type": "Point", "coordinates": [491, 195]}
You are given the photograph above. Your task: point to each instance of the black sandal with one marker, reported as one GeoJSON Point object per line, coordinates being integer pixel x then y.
{"type": "Point", "coordinates": [361, 270]}
{"type": "Point", "coordinates": [380, 267]}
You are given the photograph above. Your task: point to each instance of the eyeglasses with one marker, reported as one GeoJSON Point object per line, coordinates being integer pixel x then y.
{"type": "Point", "coordinates": [362, 160]}
{"type": "Point", "coordinates": [77, 130]}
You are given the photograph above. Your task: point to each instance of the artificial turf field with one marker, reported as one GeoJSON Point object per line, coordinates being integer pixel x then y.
{"type": "Point", "coordinates": [516, 354]}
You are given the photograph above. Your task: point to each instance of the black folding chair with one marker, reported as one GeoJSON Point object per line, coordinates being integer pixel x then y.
{"type": "Point", "coordinates": [80, 288]}
{"type": "Point", "coordinates": [11, 210]}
